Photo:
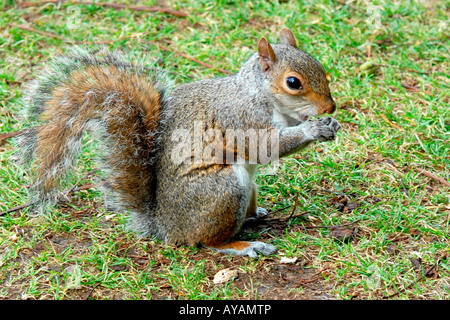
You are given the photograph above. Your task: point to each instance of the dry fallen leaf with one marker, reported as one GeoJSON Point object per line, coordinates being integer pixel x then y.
{"type": "Point", "coordinates": [416, 263]}
{"type": "Point", "coordinates": [342, 233]}
{"type": "Point", "coordinates": [392, 249]}
{"type": "Point", "coordinates": [288, 260]}
{"type": "Point", "coordinates": [225, 275]}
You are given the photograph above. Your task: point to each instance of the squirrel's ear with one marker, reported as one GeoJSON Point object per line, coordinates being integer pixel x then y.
{"type": "Point", "coordinates": [266, 54]}
{"type": "Point", "coordinates": [287, 37]}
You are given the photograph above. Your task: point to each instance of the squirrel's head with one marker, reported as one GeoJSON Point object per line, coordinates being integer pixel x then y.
{"type": "Point", "coordinates": [297, 81]}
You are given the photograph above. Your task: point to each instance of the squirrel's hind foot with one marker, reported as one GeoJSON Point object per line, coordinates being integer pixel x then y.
{"type": "Point", "coordinates": [244, 248]}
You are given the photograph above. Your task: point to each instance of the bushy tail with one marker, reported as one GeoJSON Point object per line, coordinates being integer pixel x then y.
{"type": "Point", "coordinates": [104, 93]}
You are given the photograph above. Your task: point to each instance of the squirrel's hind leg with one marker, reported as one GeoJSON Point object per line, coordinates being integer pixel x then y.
{"type": "Point", "coordinates": [253, 211]}
{"type": "Point", "coordinates": [245, 248]}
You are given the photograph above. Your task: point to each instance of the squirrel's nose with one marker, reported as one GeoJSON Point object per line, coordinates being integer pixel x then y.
{"type": "Point", "coordinates": [331, 106]}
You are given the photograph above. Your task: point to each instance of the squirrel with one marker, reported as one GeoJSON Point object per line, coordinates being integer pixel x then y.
{"type": "Point", "coordinates": [138, 118]}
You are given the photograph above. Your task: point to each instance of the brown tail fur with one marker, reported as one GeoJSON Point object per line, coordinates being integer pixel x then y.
{"type": "Point", "coordinates": [98, 90]}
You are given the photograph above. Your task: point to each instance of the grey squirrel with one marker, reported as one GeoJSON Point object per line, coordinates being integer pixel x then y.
{"type": "Point", "coordinates": [145, 126]}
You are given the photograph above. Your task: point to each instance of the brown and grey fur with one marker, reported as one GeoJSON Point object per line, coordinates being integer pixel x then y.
{"type": "Point", "coordinates": [104, 93]}
{"type": "Point", "coordinates": [188, 203]}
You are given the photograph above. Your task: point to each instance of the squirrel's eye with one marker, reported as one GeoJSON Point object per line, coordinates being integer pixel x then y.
{"type": "Point", "coordinates": [294, 83]}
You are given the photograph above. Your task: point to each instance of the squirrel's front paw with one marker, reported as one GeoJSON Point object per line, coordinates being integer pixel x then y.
{"type": "Point", "coordinates": [328, 127]}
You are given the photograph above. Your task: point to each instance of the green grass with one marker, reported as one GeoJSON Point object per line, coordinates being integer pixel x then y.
{"type": "Point", "coordinates": [78, 250]}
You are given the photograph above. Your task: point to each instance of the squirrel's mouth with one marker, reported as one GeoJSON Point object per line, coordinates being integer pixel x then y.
{"type": "Point", "coordinates": [302, 117]}
{"type": "Point", "coordinates": [305, 114]}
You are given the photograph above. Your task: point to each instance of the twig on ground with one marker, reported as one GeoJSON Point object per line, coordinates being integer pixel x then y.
{"type": "Point", "coordinates": [316, 227]}
{"type": "Point", "coordinates": [325, 227]}
{"type": "Point", "coordinates": [406, 69]}
{"type": "Point", "coordinates": [335, 192]}
{"type": "Point", "coordinates": [117, 6]}
{"type": "Point", "coordinates": [47, 34]}
{"type": "Point", "coordinates": [383, 116]}
{"type": "Point", "coordinates": [298, 282]}
{"type": "Point", "coordinates": [422, 171]}
{"type": "Point", "coordinates": [292, 215]}
{"type": "Point", "coordinates": [74, 188]}
{"type": "Point", "coordinates": [287, 219]}
{"type": "Point", "coordinates": [424, 275]}
{"type": "Point", "coordinates": [303, 282]}
{"type": "Point", "coordinates": [9, 135]}
{"type": "Point", "coordinates": [276, 211]}
{"type": "Point", "coordinates": [403, 186]}
{"type": "Point", "coordinates": [83, 187]}
{"type": "Point", "coordinates": [87, 294]}
{"type": "Point", "coordinates": [350, 223]}
{"type": "Point", "coordinates": [112, 40]}
{"type": "Point", "coordinates": [162, 47]}
{"type": "Point", "coordinates": [181, 54]}
{"type": "Point", "coordinates": [321, 270]}
{"type": "Point", "coordinates": [55, 36]}
{"type": "Point", "coordinates": [432, 176]}
{"type": "Point", "coordinates": [293, 209]}
{"type": "Point", "coordinates": [22, 206]}
{"type": "Point", "coordinates": [66, 193]}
